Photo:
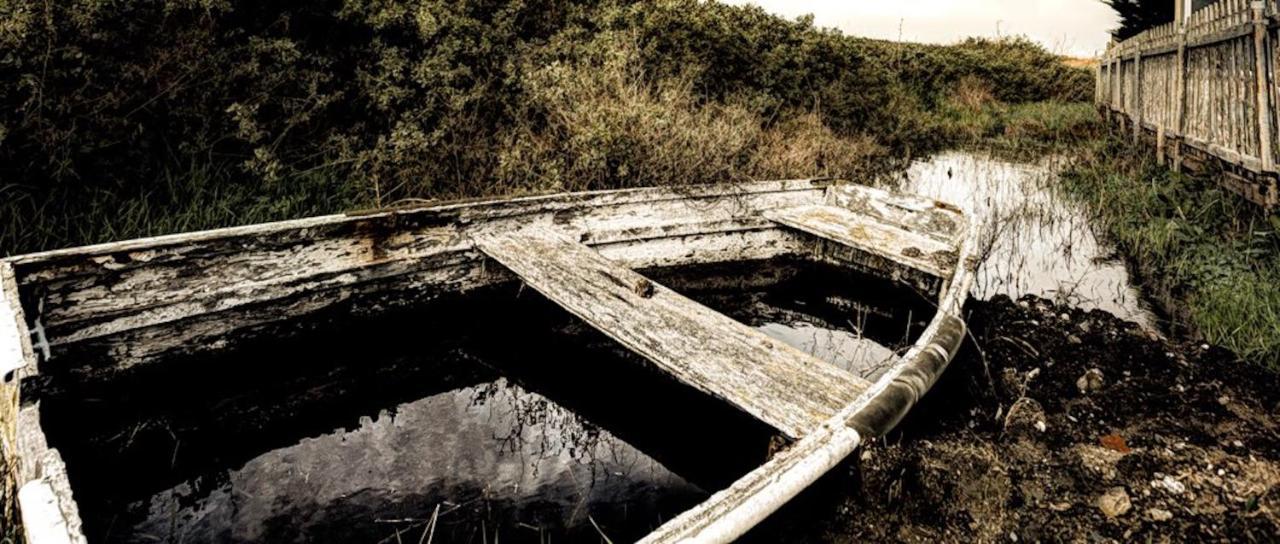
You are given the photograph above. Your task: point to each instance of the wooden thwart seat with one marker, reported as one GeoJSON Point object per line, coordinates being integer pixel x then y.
{"type": "Point", "coordinates": [776, 383]}
{"type": "Point", "coordinates": [845, 227]}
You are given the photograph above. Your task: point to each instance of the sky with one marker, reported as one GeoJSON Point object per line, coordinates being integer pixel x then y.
{"type": "Point", "coordinates": [1070, 27]}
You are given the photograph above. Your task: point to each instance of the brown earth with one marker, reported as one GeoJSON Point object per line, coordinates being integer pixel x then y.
{"type": "Point", "coordinates": [1066, 425]}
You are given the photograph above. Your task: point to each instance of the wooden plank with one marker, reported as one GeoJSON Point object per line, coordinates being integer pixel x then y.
{"type": "Point", "coordinates": [924, 216]}
{"type": "Point", "coordinates": [182, 290]}
{"type": "Point", "coordinates": [15, 349]}
{"type": "Point", "coordinates": [777, 384]}
{"type": "Point", "coordinates": [845, 227]}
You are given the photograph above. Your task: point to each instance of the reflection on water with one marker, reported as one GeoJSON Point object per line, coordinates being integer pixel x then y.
{"type": "Point", "coordinates": [1037, 241]}
{"type": "Point", "coordinates": [846, 349]}
{"type": "Point", "coordinates": [493, 447]}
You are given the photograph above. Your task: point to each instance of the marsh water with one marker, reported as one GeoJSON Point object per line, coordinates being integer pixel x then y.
{"type": "Point", "coordinates": [498, 417]}
{"type": "Point", "coordinates": [1035, 239]}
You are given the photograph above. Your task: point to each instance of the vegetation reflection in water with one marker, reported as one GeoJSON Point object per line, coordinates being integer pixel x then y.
{"type": "Point", "coordinates": [1036, 240]}
{"type": "Point", "coordinates": [493, 450]}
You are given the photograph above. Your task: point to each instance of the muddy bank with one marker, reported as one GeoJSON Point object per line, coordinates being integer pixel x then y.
{"type": "Point", "coordinates": [1061, 424]}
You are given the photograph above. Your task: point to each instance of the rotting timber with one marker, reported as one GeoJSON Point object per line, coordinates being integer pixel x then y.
{"type": "Point", "coordinates": [99, 312]}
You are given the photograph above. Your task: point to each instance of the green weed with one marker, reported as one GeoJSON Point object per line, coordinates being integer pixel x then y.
{"type": "Point", "coordinates": [1215, 255]}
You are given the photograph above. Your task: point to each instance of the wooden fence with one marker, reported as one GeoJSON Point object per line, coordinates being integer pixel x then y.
{"type": "Point", "coordinates": [1203, 88]}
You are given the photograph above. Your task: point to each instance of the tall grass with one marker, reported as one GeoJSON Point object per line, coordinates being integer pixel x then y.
{"type": "Point", "coordinates": [605, 125]}
{"type": "Point", "coordinates": [1214, 256]}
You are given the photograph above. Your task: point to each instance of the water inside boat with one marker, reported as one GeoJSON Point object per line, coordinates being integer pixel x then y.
{"type": "Point", "coordinates": [488, 415]}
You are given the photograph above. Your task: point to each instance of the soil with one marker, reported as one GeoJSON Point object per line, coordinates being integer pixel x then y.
{"type": "Point", "coordinates": [1057, 424]}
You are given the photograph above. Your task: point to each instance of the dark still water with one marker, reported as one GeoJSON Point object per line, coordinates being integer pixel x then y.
{"type": "Point", "coordinates": [490, 453]}
{"type": "Point", "coordinates": [495, 414]}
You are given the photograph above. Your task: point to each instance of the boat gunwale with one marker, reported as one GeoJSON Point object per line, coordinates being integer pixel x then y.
{"type": "Point", "coordinates": [501, 208]}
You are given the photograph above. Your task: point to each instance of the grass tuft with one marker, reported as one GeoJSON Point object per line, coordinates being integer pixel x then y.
{"type": "Point", "coordinates": [1213, 257]}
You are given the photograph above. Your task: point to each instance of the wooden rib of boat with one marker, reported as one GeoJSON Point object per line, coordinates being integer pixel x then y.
{"type": "Point", "coordinates": [92, 312]}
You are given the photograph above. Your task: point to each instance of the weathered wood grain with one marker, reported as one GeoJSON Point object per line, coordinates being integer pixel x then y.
{"type": "Point", "coordinates": [858, 231]}
{"type": "Point", "coordinates": [1207, 81]}
{"type": "Point", "coordinates": [778, 384]}
{"type": "Point", "coordinates": [923, 216]}
{"type": "Point", "coordinates": [139, 299]}
{"type": "Point", "coordinates": [50, 514]}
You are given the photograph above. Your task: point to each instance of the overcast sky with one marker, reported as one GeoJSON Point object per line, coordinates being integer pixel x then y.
{"type": "Point", "coordinates": [1073, 27]}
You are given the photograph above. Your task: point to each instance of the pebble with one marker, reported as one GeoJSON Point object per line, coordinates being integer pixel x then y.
{"type": "Point", "coordinates": [1115, 502]}
{"type": "Point", "coordinates": [1159, 514]}
{"type": "Point", "coordinates": [1091, 381]}
{"type": "Point", "coordinates": [1168, 483]}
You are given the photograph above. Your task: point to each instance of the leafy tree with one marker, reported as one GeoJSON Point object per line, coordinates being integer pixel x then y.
{"type": "Point", "coordinates": [1139, 15]}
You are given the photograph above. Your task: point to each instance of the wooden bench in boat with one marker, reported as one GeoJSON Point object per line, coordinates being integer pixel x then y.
{"type": "Point", "coordinates": [90, 313]}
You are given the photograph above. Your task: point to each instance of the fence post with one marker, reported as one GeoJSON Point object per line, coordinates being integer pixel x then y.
{"type": "Point", "coordinates": [1265, 153]}
{"type": "Point", "coordinates": [1180, 94]}
{"type": "Point", "coordinates": [1116, 81]}
{"type": "Point", "coordinates": [1136, 114]}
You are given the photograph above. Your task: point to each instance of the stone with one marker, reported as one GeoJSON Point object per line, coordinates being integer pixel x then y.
{"type": "Point", "coordinates": [1159, 514]}
{"type": "Point", "coordinates": [1115, 502]}
{"type": "Point", "coordinates": [1089, 382]}
{"type": "Point", "coordinates": [1168, 483]}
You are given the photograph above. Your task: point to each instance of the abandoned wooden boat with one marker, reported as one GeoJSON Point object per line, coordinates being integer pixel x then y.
{"type": "Point", "coordinates": [94, 312]}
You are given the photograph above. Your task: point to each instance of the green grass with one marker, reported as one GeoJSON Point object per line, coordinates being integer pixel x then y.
{"type": "Point", "coordinates": [181, 200]}
{"type": "Point", "coordinates": [1025, 130]}
{"type": "Point", "coordinates": [1216, 255]}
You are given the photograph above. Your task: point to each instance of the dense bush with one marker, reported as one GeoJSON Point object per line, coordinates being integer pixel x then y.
{"type": "Point", "coordinates": [130, 118]}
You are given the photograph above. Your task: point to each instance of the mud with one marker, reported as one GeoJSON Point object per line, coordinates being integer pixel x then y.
{"type": "Point", "coordinates": [1057, 424]}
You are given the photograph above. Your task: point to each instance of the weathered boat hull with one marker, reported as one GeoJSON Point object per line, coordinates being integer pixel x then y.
{"type": "Point", "coordinates": [98, 312]}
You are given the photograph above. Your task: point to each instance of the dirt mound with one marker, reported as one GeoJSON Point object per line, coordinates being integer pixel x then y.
{"type": "Point", "coordinates": [1060, 424]}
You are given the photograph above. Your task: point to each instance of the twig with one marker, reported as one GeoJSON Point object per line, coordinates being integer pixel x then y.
{"type": "Point", "coordinates": [1021, 344]}
{"type": "Point", "coordinates": [430, 532]}
{"type": "Point", "coordinates": [602, 535]}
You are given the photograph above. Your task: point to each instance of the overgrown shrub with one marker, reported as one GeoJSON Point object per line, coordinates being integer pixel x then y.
{"type": "Point", "coordinates": [604, 124]}
{"type": "Point", "coordinates": [130, 118]}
